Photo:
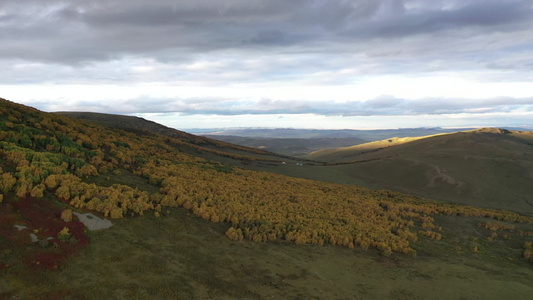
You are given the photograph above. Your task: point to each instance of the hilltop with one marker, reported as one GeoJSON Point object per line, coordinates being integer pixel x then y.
{"type": "Point", "coordinates": [197, 144]}
{"type": "Point", "coordinates": [487, 167]}
{"type": "Point", "coordinates": [190, 227]}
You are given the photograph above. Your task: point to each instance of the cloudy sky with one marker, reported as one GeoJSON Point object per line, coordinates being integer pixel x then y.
{"type": "Point", "coordinates": [274, 63]}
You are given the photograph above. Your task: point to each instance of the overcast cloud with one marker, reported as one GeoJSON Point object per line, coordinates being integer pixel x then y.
{"type": "Point", "coordinates": [457, 59]}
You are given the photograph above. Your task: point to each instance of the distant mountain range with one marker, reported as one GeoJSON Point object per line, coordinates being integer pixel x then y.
{"type": "Point", "coordinates": [368, 135]}
{"type": "Point", "coordinates": [289, 146]}
{"type": "Point", "coordinates": [300, 142]}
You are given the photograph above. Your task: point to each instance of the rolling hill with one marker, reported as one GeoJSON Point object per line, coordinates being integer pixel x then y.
{"type": "Point", "coordinates": [190, 142]}
{"type": "Point", "coordinates": [486, 167]}
{"type": "Point", "coordinates": [188, 227]}
{"type": "Point", "coordinates": [301, 142]}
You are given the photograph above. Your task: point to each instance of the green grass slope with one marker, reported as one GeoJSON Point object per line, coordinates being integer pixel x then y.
{"type": "Point", "coordinates": [180, 256]}
{"type": "Point", "coordinates": [487, 167]}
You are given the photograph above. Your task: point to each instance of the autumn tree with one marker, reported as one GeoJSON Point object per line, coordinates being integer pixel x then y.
{"type": "Point", "coordinates": [64, 235]}
{"type": "Point", "coordinates": [528, 251]}
{"type": "Point", "coordinates": [37, 191]}
{"type": "Point", "coordinates": [7, 182]}
{"type": "Point", "coordinates": [66, 215]}
{"type": "Point", "coordinates": [24, 187]}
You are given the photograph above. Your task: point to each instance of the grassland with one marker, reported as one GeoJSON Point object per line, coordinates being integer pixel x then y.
{"type": "Point", "coordinates": [489, 168]}
{"type": "Point", "coordinates": [179, 256]}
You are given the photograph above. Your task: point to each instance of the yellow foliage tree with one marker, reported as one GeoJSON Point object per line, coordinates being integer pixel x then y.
{"type": "Point", "coordinates": [66, 215]}
{"type": "Point", "coordinates": [7, 182]}
{"type": "Point", "coordinates": [37, 191]}
{"type": "Point", "coordinates": [64, 234]}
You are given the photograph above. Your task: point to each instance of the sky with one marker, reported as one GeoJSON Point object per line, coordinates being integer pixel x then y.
{"type": "Point", "coordinates": [331, 64]}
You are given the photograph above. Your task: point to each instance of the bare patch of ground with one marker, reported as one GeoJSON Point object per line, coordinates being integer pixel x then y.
{"type": "Point", "coordinates": [438, 174]}
{"type": "Point", "coordinates": [92, 222]}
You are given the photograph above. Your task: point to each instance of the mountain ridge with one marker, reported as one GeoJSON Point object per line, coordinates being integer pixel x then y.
{"type": "Point", "coordinates": [198, 143]}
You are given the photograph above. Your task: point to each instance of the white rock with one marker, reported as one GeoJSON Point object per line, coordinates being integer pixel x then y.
{"type": "Point", "coordinates": [20, 227]}
{"type": "Point", "coordinates": [92, 222]}
{"type": "Point", "coordinates": [34, 238]}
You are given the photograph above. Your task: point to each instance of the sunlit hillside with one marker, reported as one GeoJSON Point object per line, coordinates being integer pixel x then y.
{"type": "Point", "coordinates": [486, 167]}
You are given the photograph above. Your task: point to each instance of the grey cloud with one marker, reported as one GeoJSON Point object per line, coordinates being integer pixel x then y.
{"type": "Point", "coordinates": [81, 31]}
{"type": "Point", "coordinates": [384, 105]}
{"type": "Point", "coordinates": [164, 13]}
{"type": "Point", "coordinates": [380, 106]}
{"type": "Point", "coordinates": [479, 17]}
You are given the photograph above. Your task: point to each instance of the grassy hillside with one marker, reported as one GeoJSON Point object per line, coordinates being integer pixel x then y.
{"type": "Point", "coordinates": [346, 154]}
{"type": "Point", "coordinates": [180, 256]}
{"type": "Point", "coordinates": [486, 167]}
{"type": "Point", "coordinates": [196, 145]}
{"type": "Point", "coordinates": [188, 227]}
